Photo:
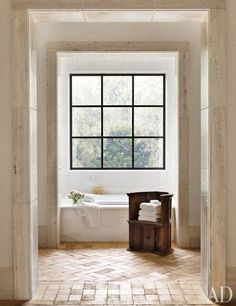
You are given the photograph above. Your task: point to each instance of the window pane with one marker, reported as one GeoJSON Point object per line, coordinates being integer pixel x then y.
{"type": "Point", "coordinates": [148, 153]}
{"type": "Point", "coordinates": [117, 153]}
{"type": "Point", "coordinates": [86, 90]}
{"type": "Point", "coordinates": [148, 90]}
{"type": "Point", "coordinates": [117, 90]}
{"type": "Point", "coordinates": [117, 121]}
{"type": "Point", "coordinates": [148, 121]}
{"type": "Point", "coordinates": [86, 121]}
{"type": "Point", "coordinates": [86, 153]}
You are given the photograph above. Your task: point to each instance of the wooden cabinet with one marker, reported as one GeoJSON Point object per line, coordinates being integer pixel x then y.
{"type": "Point", "coordinates": [148, 240]}
{"type": "Point", "coordinates": [150, 236]}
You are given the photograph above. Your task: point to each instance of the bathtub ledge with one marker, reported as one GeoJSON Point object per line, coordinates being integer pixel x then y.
{"type": "Point", "coordinates": [100, 205]}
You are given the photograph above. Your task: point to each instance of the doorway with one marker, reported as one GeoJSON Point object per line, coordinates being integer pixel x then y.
{"type": "Point", "coordinates": [23, 292]}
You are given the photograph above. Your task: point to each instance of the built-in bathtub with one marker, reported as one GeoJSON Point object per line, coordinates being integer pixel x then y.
{"type": "Point", "coordinates": [111, 199]}
{"type": "Point", "coordinates": [113, 220]}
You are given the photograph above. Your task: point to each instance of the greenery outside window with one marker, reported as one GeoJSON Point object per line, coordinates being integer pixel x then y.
{"type": "Point", "coordinates": [117, 121]}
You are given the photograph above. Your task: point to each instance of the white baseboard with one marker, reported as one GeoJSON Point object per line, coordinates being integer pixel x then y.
{"type": "Point", "coordinates": [6, 284]}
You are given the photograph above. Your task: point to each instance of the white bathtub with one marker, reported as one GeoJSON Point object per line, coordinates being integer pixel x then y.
{"type": "Point", "coordinates": [110, 199]}
{"type": "Point", "coordinates": [113, 221]}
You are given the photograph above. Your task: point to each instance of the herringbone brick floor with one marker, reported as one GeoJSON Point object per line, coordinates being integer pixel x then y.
{"type": "Point", "coordinates": [107, 274]}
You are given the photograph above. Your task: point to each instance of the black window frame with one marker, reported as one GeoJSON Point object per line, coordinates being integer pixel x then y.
{"type": "Point", "coordinates": [133, 106]}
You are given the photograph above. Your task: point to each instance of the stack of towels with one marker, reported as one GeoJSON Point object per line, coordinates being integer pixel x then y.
{"type": "Point", "coordinates": [150, 211]}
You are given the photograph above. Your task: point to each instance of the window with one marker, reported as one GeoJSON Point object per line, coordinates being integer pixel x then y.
{"type": "Point", "coordinates": [117, 121]}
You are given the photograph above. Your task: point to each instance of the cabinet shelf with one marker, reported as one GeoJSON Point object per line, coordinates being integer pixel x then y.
{"type": "Point", "coordinates": [145, 222]}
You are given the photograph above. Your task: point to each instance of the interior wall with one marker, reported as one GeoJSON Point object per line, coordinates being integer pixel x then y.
{"type": "Point", "coordinates": [231, 128]}
{"type": "Point", "coordinates": [128, 180]}
{"type": "Point", "coordinates": [181, 31]}
{"type": "Point", "coordinates": [6, 162]}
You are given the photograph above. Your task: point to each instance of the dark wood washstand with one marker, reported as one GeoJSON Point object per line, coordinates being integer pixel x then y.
{"type": "Point", "coordinates": [154, 237]}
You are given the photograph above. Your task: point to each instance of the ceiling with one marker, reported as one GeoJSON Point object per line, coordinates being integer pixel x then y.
{"type": "Point", "coordinates": [118, 16]}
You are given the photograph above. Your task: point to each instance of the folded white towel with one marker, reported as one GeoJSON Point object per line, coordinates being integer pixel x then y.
{"type": "Point", "coordinates": [150, 206]}
{"type": "Point", "coordinates": [155, 201]}
{"type": "Point", "coordinates": [150, 219]}
{"type": "Point", "coordinates": [151, 210]}
{"type": "Point", "coordinates": [90, 212]}
{"type": "Point", "coordinates": [149, 213]}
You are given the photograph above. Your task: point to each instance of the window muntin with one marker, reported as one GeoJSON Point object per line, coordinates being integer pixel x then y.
{"type": "Point", "coordinates": [117, 121]}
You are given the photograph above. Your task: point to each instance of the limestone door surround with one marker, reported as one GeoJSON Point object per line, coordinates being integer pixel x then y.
{"type": "Point", "coordinates": [23, 102]}
{"type": "Point", "coordinates": [53, 48]}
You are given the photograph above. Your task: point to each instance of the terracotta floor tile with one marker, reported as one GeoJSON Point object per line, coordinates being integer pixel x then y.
{"type": "Point", "coordinates": [62, 297]}
{"type": "Point", "coordinates": [49, 297]}
{"type": "Point", "coordinates": [107, 274]}
{"type": "Point", "coordinates": [138, 291]}
{"type": "Point", "coordinates": [165, 297]}
{"type": "Point", "coordinates": [139, 297]}
{"type": "Point", "coordinates": [74, 297]}
{"type": "Point", "coordinates": [163, 291]}
{"type": "Point", "coordinates": [150, 297]}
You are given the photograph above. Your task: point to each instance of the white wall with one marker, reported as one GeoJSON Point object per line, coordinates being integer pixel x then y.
{"type": "Point", "coordinates": [231, 128]}
{"type": "Point", "coordinates": [118, 181]}
{"type": "Point", "coordinates": [181, 31]}
{"type": "Point", "coordinates": [6, 162]}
